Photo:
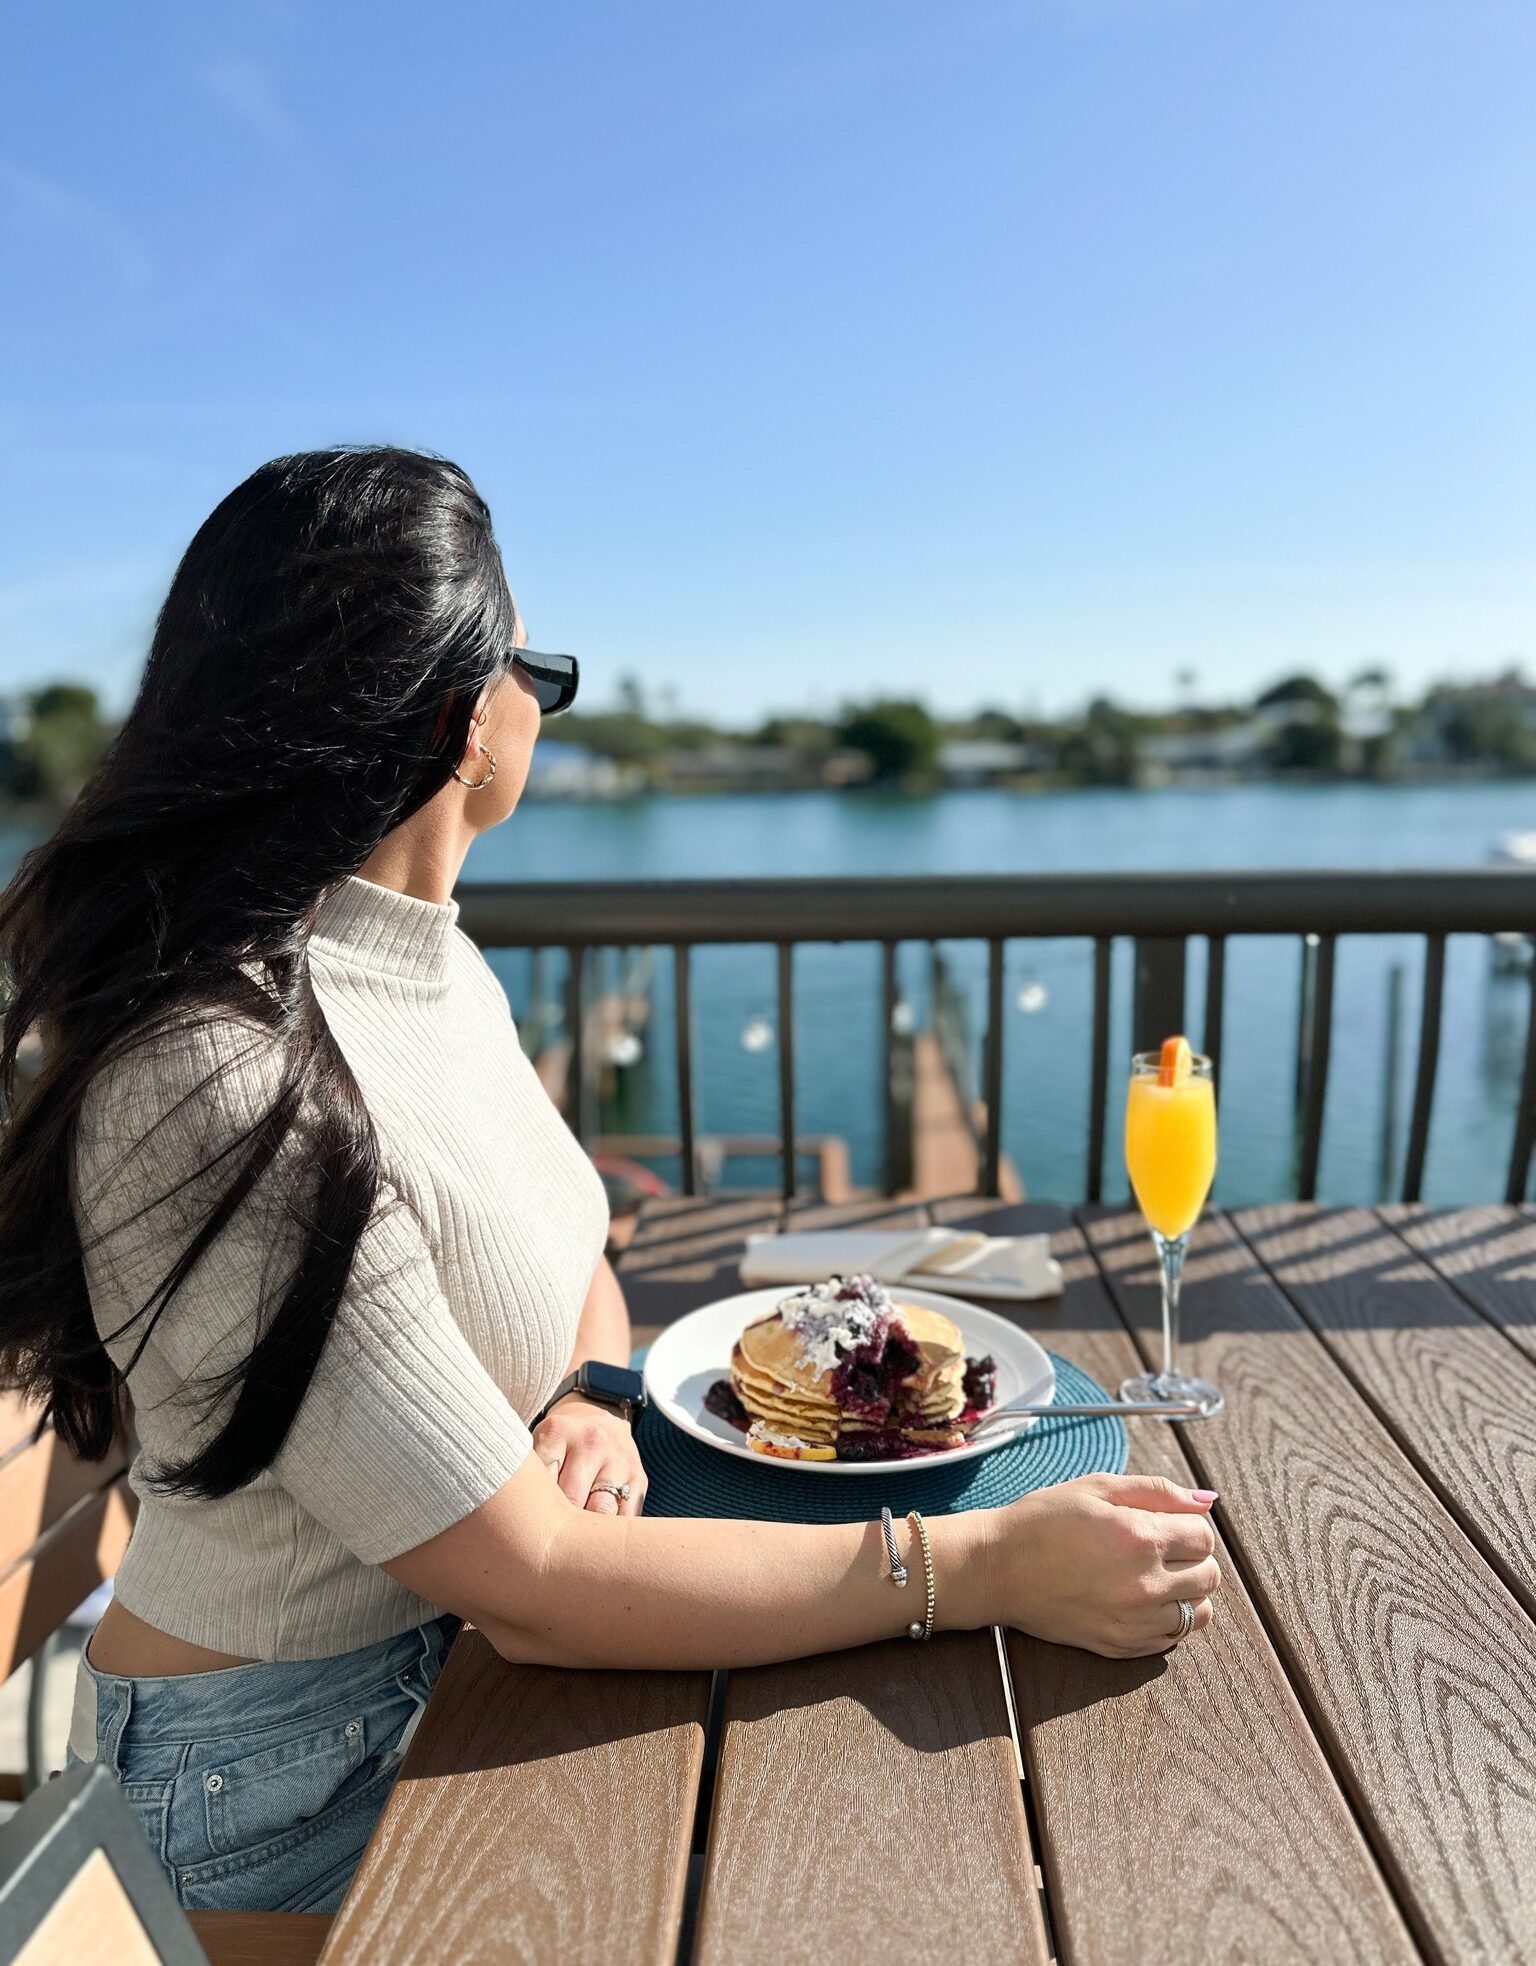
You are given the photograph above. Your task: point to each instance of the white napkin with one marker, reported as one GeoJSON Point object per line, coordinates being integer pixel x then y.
{"type": "Point", "coordinates": [1018, 1268]}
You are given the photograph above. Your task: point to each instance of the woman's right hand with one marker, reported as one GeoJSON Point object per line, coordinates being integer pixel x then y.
{"type": "Point", "coordinates": [1101, 1563]}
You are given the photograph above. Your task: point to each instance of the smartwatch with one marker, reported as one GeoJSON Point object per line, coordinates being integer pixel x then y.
{"type": "Point", "coordinates": [614, 1386]}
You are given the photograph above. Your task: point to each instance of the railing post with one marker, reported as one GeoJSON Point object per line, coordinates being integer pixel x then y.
{"type": "Point", "coordinates": [1158, 1006]}
{"type": "Point", "coordinates": [888, 998]}
{"type": "Point", "coordinates": [682, 1007]}
{"type": "Point", "coordinates": [1098, 1094]}
{"type": "Point", "coordinates": [787, 1067]}
{"type": "Point", "coordinates": [1391, 1048]}
{"type": "Point", "coordinates": [534, 1023]}
{"type": "Point", "coordinates": [992, 1073]}
{"type": "Point", "coordinates": [1320, 1029]}
{"type": "Point", "coordinates": [1525, 1113]}
{"type": "Point", "coordinates": [1305, 996]}
{"type": "Point", "coordinates": [576, 1038]}
{"type": "Point", "coordinates": [1429, 1060]}
{"type": "Point", "coordinates": [1215, 1004]}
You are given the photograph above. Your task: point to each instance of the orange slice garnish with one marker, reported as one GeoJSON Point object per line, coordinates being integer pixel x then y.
{"type": "Point", "coordinates": [1174, 1062]}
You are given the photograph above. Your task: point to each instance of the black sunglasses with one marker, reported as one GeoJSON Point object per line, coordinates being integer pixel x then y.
{"type": "Point", "coordinates": [554, 679]}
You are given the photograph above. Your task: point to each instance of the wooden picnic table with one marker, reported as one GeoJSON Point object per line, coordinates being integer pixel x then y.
{"type": "Point", "coordinates": [1343, 1768]}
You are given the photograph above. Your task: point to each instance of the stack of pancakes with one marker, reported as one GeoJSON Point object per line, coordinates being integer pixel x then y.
{"type": "Point", "coordinates": [794, 1399]}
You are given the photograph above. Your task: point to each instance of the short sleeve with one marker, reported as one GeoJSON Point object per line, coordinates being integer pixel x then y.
{"type": "Point", "coordinates": [402, 1431]}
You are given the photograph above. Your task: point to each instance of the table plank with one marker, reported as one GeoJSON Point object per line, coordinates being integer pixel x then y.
{"type": "Point", "coordinates": [1457, 1396]}
{"type": "Point", "coordinates": [867, 1806]}
{"type": "Point", "coordinates": [541, 1815]}
{"type": "Point", "coordinates": [1204, 1751]}
{"type": "Point", "coordinates": [898, 1748]}
{"type": "Point", "coordinates": [1415, 1664]}
{"type": "Point", "coordinates": [1487, 1254]}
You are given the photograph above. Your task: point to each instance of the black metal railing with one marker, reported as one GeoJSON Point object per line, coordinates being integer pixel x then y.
{"type": "Point", "coordinates": [1159, 913]}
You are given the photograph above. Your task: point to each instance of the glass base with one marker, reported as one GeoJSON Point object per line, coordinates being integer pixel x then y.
{"type": "Point", "coordinates": [1175, 1385]}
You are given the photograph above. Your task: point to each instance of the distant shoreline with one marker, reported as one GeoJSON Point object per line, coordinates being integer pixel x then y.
{"type": "Point", "coordinates": [1148, 786]}
{"type": "Point", "coordinates": [40, 818]}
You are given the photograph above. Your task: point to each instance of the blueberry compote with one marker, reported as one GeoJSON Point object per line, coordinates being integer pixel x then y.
{"type": "Point", "coordinates": [866, 1380]}
{"type": "Point", "coordinates": [880, 1444]}
{"type": "Point", "coordinates": [980, 1388]}
{"type": "Point", "coordinates": [721, 1400]}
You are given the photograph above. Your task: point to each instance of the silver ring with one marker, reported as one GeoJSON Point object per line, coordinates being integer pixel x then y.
{"type": "Point", "coordinates": [1186, 1619]}
{"type": "Point", "coordinates": [620, 1489]}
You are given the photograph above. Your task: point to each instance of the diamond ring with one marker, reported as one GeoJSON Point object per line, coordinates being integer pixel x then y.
{"type": "Point", "coordinates": [618, 1489]}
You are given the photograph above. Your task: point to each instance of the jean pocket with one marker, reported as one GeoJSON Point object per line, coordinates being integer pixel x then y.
{"type": "Point", "coordinates": [254, 1797]}
{"type": "Point", "coordinates": [325, 1892]}
{"type": "Point", "coordinates": [297, 1871]}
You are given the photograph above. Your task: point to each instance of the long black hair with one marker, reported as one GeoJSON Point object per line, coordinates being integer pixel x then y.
{"type": "Point", "coordinates": [310, 684]}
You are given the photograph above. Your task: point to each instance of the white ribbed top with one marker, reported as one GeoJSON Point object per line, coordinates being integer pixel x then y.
{"type": "Point", "coordinates": [459, 1316]}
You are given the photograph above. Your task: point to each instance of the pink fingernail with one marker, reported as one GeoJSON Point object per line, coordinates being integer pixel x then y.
{"type": "Point", "coordinates": [1205, 1496]}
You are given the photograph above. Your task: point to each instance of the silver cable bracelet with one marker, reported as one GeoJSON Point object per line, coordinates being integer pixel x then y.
{"type": "Point", "coordinates": [898, 1568]}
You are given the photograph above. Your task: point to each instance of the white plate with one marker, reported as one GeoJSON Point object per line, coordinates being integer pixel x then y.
{"type": "Point", "coordinates": [689, 1356]}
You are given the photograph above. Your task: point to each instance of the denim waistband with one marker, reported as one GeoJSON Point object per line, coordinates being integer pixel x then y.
{"type": "Point", "coordinates": [183, 1707]}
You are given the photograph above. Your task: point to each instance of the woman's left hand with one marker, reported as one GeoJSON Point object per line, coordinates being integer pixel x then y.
{"type": "Point", "coordinates": [581, 1442]}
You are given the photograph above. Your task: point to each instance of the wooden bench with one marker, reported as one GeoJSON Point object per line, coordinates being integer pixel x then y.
{"type": "Point", "coordinates": [64, 1524]}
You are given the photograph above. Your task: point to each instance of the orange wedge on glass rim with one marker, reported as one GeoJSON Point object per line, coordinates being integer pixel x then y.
{"type": "Point", "coordinates": [1175, 1061]}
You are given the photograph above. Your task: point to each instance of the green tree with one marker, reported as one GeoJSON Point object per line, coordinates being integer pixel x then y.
{"type": "Point", "coordinates": [1309, 739]}
{"type": "Point", "coordinates": [900, 739]}
{"type": "Point", "coordinates": [64, 741]}
{"type": "Point", "coordinates": [1104, 749]}
{"type": "Point", "coordinates": [1482, 727]}
{"type": "Point", "coordinates": [1301, 689]}
{"type": "Point", "coordinates": [1306, 744]}
{"type": "Point", "coordinates": [992, 724]}
{"type": "Point", "coordinates": [616, 734]}
{"type": "Point", "coordinates": [807, 737]}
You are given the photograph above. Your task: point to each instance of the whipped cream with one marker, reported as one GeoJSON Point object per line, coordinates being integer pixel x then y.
{"type": "Point", "coordinates": [835, 1317]}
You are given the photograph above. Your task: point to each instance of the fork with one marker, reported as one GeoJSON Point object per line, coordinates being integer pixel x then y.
{"type": "Point", "coordinates": [1166, 1409]}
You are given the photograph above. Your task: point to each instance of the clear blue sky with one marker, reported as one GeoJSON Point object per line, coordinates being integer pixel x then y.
{"type": "Point", "coordinates": [993, 351]}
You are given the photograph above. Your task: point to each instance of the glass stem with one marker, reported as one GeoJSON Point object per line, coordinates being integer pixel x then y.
{"type": "Point", "coordinates": [1170, 1257]}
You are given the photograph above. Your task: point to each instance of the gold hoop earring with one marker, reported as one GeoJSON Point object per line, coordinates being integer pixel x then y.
{"type": "Point", "coordinates": [475, 784]}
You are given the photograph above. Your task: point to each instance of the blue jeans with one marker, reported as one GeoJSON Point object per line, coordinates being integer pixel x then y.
{"type": "Point", "coordinates": [258, 1786]}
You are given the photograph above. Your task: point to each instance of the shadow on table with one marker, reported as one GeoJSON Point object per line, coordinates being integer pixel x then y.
{"type": "Point", "coordinates": [1052, 1682]}
{"type": "Point", "coordinates": [488, 1714]}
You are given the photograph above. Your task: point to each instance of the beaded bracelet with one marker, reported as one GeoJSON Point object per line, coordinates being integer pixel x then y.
{"type": "Point", "coordinates": [923, 1629]}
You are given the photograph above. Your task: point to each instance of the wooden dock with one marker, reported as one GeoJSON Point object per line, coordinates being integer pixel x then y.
{"type": "Point", "coordinates": [946, 1151]}
{"type": "Point", "coordinates": [943, 1121]}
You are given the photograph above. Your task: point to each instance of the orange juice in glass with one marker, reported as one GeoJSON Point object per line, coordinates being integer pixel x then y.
{"type": "Point", "coordinates": [1170, 1151]}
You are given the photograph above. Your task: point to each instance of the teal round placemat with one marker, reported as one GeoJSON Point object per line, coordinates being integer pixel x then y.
{"type": "Point", "coordinates": [688, 1478]}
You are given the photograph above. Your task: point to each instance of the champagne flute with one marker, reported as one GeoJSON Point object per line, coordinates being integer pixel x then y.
{"type": "Point", "coordinates": [1170, 1151]}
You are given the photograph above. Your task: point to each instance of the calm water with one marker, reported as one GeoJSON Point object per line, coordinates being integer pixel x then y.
{"type": "Point", "coordinates": [1046, 1046]}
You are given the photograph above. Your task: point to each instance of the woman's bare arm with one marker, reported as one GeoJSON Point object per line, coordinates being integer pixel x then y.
{"type": "Point", "coordinates": [602, 1332]}
{"type": "Point", "coordinates": [1095, 1562]}
{"type": "Point", "coordinates": [580, 1442]}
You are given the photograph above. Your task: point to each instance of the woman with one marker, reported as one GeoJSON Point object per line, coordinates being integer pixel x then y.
{"type": "Point", "coordinates": [288, 1184]}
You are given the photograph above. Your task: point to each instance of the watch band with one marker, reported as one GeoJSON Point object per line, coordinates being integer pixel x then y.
{"type": "Point", "coordinates": [576, 1382]}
